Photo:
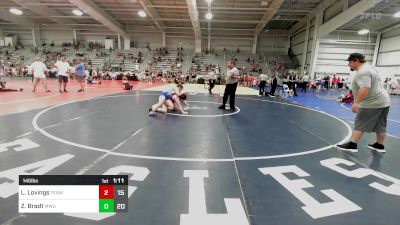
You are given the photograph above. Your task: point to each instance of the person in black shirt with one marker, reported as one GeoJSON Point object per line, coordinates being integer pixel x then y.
{"type": "Point", "coordinates": [292, 83]}
{"type": "Point", "coordinates": [274, 83]}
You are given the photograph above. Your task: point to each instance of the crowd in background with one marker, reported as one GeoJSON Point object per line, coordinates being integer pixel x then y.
{"type": "Point", "coordinates": [171, 69]}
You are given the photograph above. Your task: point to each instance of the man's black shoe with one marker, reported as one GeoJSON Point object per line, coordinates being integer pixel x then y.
{"type": "Point", "coordinates": [377, 147]}
{"type": "Point", "coordinates": [348, 147]}
{"type": "Point", "coordinates": [221, 107]}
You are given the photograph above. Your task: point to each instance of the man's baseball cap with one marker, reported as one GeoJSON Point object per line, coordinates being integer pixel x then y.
{"type": "Point", "coordinates": [355, 56]}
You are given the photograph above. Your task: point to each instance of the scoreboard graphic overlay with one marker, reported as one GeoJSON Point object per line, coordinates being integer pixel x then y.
{"type": "Point", "coordinates": [73, 194]}
{"type": "Point", "coordinates": [272, 163]}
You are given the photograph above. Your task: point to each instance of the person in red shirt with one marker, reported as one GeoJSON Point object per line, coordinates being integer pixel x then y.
{"type": "Point", "coordinates": [250, 81]}
{"type": "Point", "coordinates": [335, 81]}
{"type": "Point", "coordinates": [348, 98]}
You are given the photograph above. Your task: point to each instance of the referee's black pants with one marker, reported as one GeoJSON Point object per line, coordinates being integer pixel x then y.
{"type": "Point", "coordinates": [211, 86]}
{"type": "Point", "coordinates": [230, 91]}
{"type": "Point", "coordinates": [262, 87]}
{"type": "Point", "coordinates": [273, 88]}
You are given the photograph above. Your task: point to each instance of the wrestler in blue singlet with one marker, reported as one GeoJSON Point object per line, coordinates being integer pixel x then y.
{"type": "Point", "coordinates": [167, 95]}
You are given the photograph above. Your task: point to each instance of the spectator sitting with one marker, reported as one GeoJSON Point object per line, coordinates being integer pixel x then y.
{"type": "Point", "coordinates": [313, 85]}
{"type": "Point", "coordinates": [91, 80]}
{"type": "Point", "coordinates": [348, 98]}
{"type": "Point", "coordinates": [125, 84]}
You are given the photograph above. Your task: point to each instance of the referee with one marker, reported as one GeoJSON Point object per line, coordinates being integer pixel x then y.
{"type": "Point", "coordinates": [263, 80]}
{"type": "Point", "coordinates": [232, 78]}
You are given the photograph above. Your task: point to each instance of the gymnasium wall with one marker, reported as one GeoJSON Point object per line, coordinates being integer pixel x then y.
{"type": "Point", "coordinates": [94, 37]}
{"type": "Point", "coordinates": [58, 36]}
{"type": "Point", "coordinates": [389, 52]}
{"type": "Point", "coordinates": [298, 39]}
{"type": "Point", "coordinates": [266, 45]}
{"type": "Point", "coordinates": [23, 35]}
{"type": "Point", "coordinates": [297, 43]}
{"type": "Point", "coordinates": [388, 63]}
{"type": "Point", "coordinates": [335, 48]}
{"type": "Point", "coordinates": [153, 39]}
{"type": "Point", "coordinates": [186, 42]}
{"type": "Point", "coordinates": [218, 43]}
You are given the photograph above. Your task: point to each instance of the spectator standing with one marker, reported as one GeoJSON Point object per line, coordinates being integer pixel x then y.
{"type": "Point", "coordinates": [80, 74]}
{"type": "Point", "coordinates": [63, 68]}
{"type": "Point", "coordinates": [39, 71]}
{"type": "Point", "coordinates": [305, 79]}
{"type": "Point", "coordinates": [371, 103]}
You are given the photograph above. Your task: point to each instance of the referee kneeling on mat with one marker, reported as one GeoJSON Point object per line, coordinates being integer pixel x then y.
{"type": "Point", "coordinates": [371, 103]}
{"type": "Point", "coordinates": [232, 78]}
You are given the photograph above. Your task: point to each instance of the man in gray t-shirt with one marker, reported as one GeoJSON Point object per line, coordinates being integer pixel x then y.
{"type": "Point", "coordinates": [371, 103]}
{"type": "Point", "coordinates": [368, 77]}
